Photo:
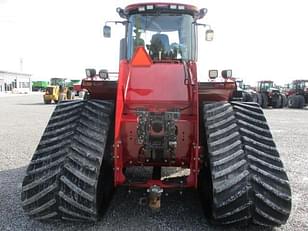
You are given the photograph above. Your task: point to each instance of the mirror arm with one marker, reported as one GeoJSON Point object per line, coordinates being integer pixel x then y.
{"type": "Point", "coordinates": [116, 22]}
{"type": "Point", "coordinates": [202, 24]}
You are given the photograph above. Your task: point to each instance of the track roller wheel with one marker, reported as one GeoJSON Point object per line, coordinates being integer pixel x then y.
{"type": "Point", "coordinates": [70, 175]}
{"type": "Point", "coordinates": [248, 183]}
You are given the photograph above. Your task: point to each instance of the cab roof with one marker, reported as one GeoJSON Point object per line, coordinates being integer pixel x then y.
{"type": "Point", "coordinates": [163, 7]}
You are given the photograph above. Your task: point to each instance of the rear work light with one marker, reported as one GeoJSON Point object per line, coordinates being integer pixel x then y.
{"type": "Point", "coordinates": [226, 74]}
{"type": "Point", "coordinates": [213, 74]}
{"type": "Point", "coordinates": [90, 73]}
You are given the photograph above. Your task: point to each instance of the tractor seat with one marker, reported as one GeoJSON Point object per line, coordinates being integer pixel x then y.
{"type": "Point", "coordinates": [159, 43]}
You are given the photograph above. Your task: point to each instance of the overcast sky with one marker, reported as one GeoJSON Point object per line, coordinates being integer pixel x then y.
{"type": "Point", "coordinates": [257, 39]}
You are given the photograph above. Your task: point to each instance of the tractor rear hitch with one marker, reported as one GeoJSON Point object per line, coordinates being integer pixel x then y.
{"type": "Point", "coordinates": [154, 195]}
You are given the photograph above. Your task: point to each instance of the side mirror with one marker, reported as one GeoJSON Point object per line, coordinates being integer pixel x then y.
{"type": "Point", "coordinates": [107, 31]}
{"type": "Point", "coordinates": [226, 74]}
{"type": "Point", "coordinates": [202, 12]}
{"type": "Point", "coordinates": [209, 35]}
{"type": "Point", "coordinates": [213, 74]}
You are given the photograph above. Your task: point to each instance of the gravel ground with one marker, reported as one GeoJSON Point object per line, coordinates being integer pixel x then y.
{"type": "Point", "coordinates": [23, 119]}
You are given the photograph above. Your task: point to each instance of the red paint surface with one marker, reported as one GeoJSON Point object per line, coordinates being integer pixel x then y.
{"type": "Point", "coordinates": [158, 87]}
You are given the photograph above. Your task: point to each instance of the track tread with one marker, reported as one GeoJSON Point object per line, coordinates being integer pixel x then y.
{"type": "Point", "coordinates": [62, 178]}
{"type": "Point", "coordinates": [249, 182]}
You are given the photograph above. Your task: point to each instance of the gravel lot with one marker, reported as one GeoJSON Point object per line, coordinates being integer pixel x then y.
{"type": "Point", "coordinates": [23, 119]}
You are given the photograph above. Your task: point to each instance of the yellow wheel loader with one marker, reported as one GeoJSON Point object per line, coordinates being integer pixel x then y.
{"type": "Point", "coordinates": [57, 91]}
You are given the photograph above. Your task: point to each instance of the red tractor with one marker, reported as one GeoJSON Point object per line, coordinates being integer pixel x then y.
{"type": "Point", "coordinates": [269, 95]}
{"type": "Point", "coordinates": [298, 94]}
{"type": "Point", "coordinates": [158, 115]}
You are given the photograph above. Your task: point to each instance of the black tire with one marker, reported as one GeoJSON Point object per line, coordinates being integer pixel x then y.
{"type": "Point", "coordinates": [276, 101]}
{"type": "Point", "coordinates": [264, 103]}
{"type": "Point", "coordinates": [254, 97]}
{"type": "Point", "coordinates": [259, 99]}
{"type": "Point", "coordinates": [284, 101]}
{"type": "Point", "coordinates": [301, 101]}
{"type": "Point", "coordinates": [71, 174]}
{"type": "Point", "coordinates": [293, 101]}
{"type": "Point", "coordinates": [246, 97]}
{"type": "Point", "coordinates": [249, 184]}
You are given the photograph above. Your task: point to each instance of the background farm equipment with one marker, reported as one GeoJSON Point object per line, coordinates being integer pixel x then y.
{"type": "Point", "coordinates": [243, 92]}
{"type": "Point", "coordinates": [298, 94]}
{"type": "Point", "coordinates": [269, 95]}
{"type": "Point", "coordinates": [58, 90]}
{"type": "Point", "coordinates": [39, 85]}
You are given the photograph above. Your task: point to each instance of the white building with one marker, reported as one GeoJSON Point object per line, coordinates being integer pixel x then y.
{"type": "Point", "coordinates": [15, 82]}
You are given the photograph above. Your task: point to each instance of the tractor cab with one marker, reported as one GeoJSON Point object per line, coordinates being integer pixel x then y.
{"type": "Point", "coordinates": [265, 86]}
{"type": "Point", "coordinates": [164, 36]}
{"type": "Point", "coordinates": [300, 85]}
{"type": "Point", "coordinates": [166, 31]}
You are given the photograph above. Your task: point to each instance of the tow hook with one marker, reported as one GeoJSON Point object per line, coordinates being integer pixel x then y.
{"type": "Point", "coordinates": [154, 195]}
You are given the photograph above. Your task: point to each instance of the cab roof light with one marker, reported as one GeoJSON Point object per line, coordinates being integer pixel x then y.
{"type": "Point", "coordinates": [141, 8]}
{"type": "Point", "coordinates": [150, 7]}
{"type": "Point", "coordinates": [181, 7]}
{"type": "Point", "coordinates": [173, 7]}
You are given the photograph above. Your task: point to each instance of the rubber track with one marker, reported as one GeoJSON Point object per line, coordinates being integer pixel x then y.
{"type": "Point", "coordinates": [249, 181]}
{"type": "Point", "coordinates": [61, 181]}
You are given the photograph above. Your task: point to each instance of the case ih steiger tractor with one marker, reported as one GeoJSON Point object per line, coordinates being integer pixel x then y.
{"type": "Point", "coordinates": [157, 114]}
{"type": "Point", "coordinates": [269, 95]}
{"type": "Point", "coordinates": [298, 94]}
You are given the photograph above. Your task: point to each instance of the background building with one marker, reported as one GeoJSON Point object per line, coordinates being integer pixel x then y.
{"type": "Point", "coordinates": [15, 82]}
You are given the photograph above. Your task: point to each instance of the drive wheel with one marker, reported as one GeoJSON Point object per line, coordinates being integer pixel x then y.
{"type": "Point", "coordinates": [284, 101]}
{"type": "Point", "coordinates": [277, 101]}
{"type": "Point", "coordinates": [254, 97]}
{"type": "Point", "coordinates": [249, 184]}
{"type": "Point", "coordinates": [301, 101]}
{"type": "Point", "coordinates": [259, 99]}
{"type": "Point", "coordinates": [70, 174]}
{"type": "Point", "coordinates": [293, 101]}
{"type": "Point", "coordinates": [46, 101]}
{"type": "Point", "coordinates": [264, 103]}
